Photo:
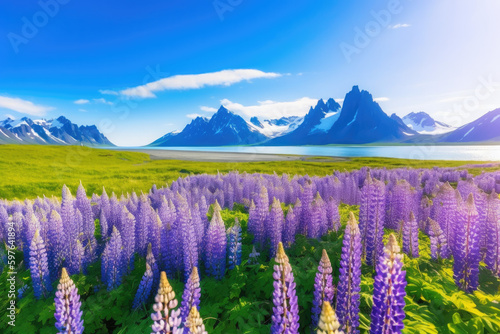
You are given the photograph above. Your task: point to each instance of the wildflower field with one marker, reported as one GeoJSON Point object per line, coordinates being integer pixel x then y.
{"type": "Point", "coordinates": [313, 247]}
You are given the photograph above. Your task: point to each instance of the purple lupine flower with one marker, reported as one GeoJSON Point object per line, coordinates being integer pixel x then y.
{"type": "Point", "coordinates": [253, 256]}
{"type": "Point", "coordinates": [151, 261]}
{"type": "Point", "coordinates": [82, 203]}
{"type": "Point", "coordinates": [155, 234]}
{"type": "Point", "coordinates": [438, 240]}
{"type": "Point", "coordinates": [306, 199]}
{"type": "Point", "coordinates": [328, 321]}
{"type": "Point", "coordinates": [67, 302]}
{"type": "Point", "coordinates": [285, 318]}
{"type": "Point", "coordinates": [113, 261]}
{"type": "Point", "coordinates": [191, 295]}
{"type": "Point", "coordinates": [289, 228]}
{"type": "Point", "coordinates": [323, 287]}
{"type": "Point", "coordinates": [234, 244]}
{"type": "Point", "coordinates": [215, 248]}
{"type": "Point", "coordinates": [76, 264]}
{"type": "Point", "coordinates": [198, 225]}
{"type": "Point", "coordinates": [165, 318]}
{"type": "Point", "coordinates": [142, 224]}
{"type": "Point", "coordinates": [103, 222]}
{"type": "Point", "coordinates": [410, 236]}
{"type": "Point", "coordinates": [332, 214]}
{"type": "Point", "coordinates": [127, 234]}
{"type": "Point", "coordinates": [350, 278]}
{"type": "Point", "coordinates": [30, 225]}
{"type": "Point", "coordinates": [389, 291]}
{"type": "Point", "coordinates": [467, 256]}
{"type": "Point", "coordinates": [144, 289]}
{"type": "Point", "coordinates": [39, 267]}
{"type": "Point", "coordinates": [194, 323]}
{"type": "Point", "coordinates": [317, 223]}
{"type": "Point", "coordinates": [275, 221]}
{"type": "Point", "coordinates": [261, 212]}
{"type": "Point", "coordinates": [188, 236]}
{"type": "Point", "coordinates": [444, 211]}
{"type": "Point", "coordinates": [371, 219]}
{"type": "Point", "coordinates": [492, 258]}
{"type": "Point", "coordinates": [56, 243]}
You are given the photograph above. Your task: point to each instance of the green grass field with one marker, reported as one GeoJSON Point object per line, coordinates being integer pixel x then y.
{"type": "Point", "coordinates": [27, 171]}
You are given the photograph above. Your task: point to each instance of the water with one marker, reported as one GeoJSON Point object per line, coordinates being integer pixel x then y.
{"type": "Point", "coordinates": [421, 152]}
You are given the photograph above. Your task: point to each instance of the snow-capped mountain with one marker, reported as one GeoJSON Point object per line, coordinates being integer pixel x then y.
{"type": "Point", "coordinates": [272, 128]}
{"type": "Point", "coordinates": [425, 124]}
{"type": "Point", "coordinates": [224, 128]}
{"type": "Point", "coordinates": [314, 125]}
{"type": "Point", "coordinates": [58, 131]}
{"type": "Point", "coordinates": [483, 129]}
{"type": "Point", "coordinates": [362, 121]}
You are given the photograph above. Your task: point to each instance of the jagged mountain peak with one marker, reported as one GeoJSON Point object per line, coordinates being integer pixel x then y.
{"type": "Point", "coordinates": [423, 123]}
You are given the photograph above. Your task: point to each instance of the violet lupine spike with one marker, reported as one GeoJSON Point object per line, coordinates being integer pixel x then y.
{"type": "Point", "coordinates": [285, 318]}
{"type": "Point", "coordinates": [289, 228]}
{"type": "Point", "coordinates": [83, 204]}
{"type": "Point", "coordinates": [410, 236]}
{"type": "Point", "coordinates": [191, 295]}
{"type": "Point", "coordinates": [188, 242]}
{"type": "Point", "coordinates": [234, 245]}
{"type": "Point", "coordinates": [350, 278]}
{"type": "Point", "coordinates": [215, 248]}
{"type": "Point", "coordinates": [56, 243]}
{"type": "Point", "coordinates": [142, 224]}
{"type": "Point", "coordinates": [194, 323]}
{"type": "Point", "coordinates": [328, 321]}
{"type": "Point", "coordinates": [165, 318]}
{"type": "Point", "coordinates": [144, 289]}
{"type": "Point", "coordinates": [113, 261]}
{"type": "Point", "coordinates": [275, 226]}
{"type": "Point", "coordinates": [127, 234]}
{"type": "Point", "coordinates": [444, 211]}
{"type": "Point", "coordinates": [492, 259]}
{"type": "Point", "coordinates": [317, 224]}
{"type": "Point", "coordinates": [39, 267]}
{"type": "Point", "coordinates": [323, 287]}
{"type": "Point", "coordinates": [76, 264]}
{"type": "Point", "coordinates": [389, 291]}
{"type": "Point", "coordinates": [438, 240]}
{"type": "Point", "coordinates": [261, 212]}
{"type": "Point", "coordinates": [103, 222]}
{"type": "Point", "coordinates": [67, 303]}
{"type": "Point", "coordinates": [371, 219]}
{"type": "Point", "coordinates": [151, 261]}
{"type": "Point", "coordinates": [332, 214]}
{"type": "Point", "coordinates": [467, 248]}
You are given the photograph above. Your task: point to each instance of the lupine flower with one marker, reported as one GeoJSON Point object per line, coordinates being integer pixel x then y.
{"type": "Point", "coordinates": [289, 228]}
{"type": "Point", "coordinates": [410, 236]}
{"type": "Point", "coordinates": [113, 262]}
{"type": "Point", "coordinates": [445, 207]}
{"type": "Point", "coordinates": [285, 318]}
{"type": "Point", "coordinates": [165, 319]}
{"type": "Point", "coordinates": [389, 291]}
{"type": "Point", "coordinates": [275, 222]}
{"type": "Point", "coordinates": [76, 264]}
{"type": "Point", "coordinates": [261, 212]}
{"type": "Point", "coordinates": [332, 214]}
{"type": "Point", "coordinates": [127, 234]}
{"type": "Point", "coordinates": [234, 244]}
{"type": "Point", "coordinates": [21, 291]}
{"type": "Point", "coordinates": [317, 222]}
{"type": "Point", "coordinates": [371, 219]}
{"type": "Point", "coordinates": [350, 278]}
{"type": "Point", "coordinates": [142, 224]}
{"type": "Point", "coordinates": [323, 287]}
{"type": "Point", "coordinates": [194, 323]}
{"type": "Point", "coordinates": [56, 242]}
{"type": "Point", "coordinates": [39, 267]}
{"type": "Point", "coordinates": [151, 261]}
{"type": "Point", "coordinates": [215, 252]}
{"type": "Point", "coordinates": [467, 257]}
{"type": "Point", "coordinates": [252, 257]}
{"type": "Point", "coordinates": [328, 321]}
{"type": "Point", "coordinates": [67, 301]}
{"type": "Point", "coordinates": [438, 240]}
{"type": "Point", "coordinates": [492, 258]}
{"type": "Point", "coordinates": [144, 289]}
{"type": "Point", "coordinates": [191, 295]}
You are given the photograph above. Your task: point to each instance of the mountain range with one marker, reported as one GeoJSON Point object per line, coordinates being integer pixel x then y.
{"type": "Point", "coordinates": [59, 131]}
{"type": "Point", "coordinates": [360, 120]}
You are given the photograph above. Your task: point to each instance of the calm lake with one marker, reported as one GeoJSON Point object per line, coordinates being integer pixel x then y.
{"type": "Point", "coordinates": [429, 152]}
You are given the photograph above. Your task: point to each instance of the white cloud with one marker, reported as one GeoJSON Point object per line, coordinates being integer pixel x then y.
{"type": "Point", "coordinates": [81, 101]}
{"type": "Point", "coordinates": [108, 92]}
{"type": "Point", "coordinates": [82, 110]}
{"type": "Point", "coordinates": [271, 109]}
{"type": "Point", "coordinates": [381, 99]}
{"type": "Point", "coordinates": [208, 109]}
{"type": "Point", "coordinates": [23, 106]}
{"type": "Point", "coordinates": [197, 81]}
{"type": "Point", "coordinates": [10, 116]}
{"type": "Point", "coordinates": [103, 101]}
{"type": "Point", "coordinates": [193, 116]}
{"type": "Point", "coordinates": [400, 25]}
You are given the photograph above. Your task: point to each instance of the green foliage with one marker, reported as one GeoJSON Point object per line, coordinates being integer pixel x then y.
{"type": "Point", "coordinates": [34, 170]}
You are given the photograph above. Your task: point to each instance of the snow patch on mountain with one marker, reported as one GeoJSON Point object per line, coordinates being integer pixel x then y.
{"type": "Point", "coordinates": [326, 123]}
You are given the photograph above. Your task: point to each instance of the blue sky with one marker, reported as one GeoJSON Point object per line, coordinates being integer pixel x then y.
{"type": "Point", "coordinates": [140, 69]}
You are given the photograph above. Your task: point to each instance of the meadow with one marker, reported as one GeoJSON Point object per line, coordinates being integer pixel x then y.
{"type": "Point", "coordinates": [237, 290]}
